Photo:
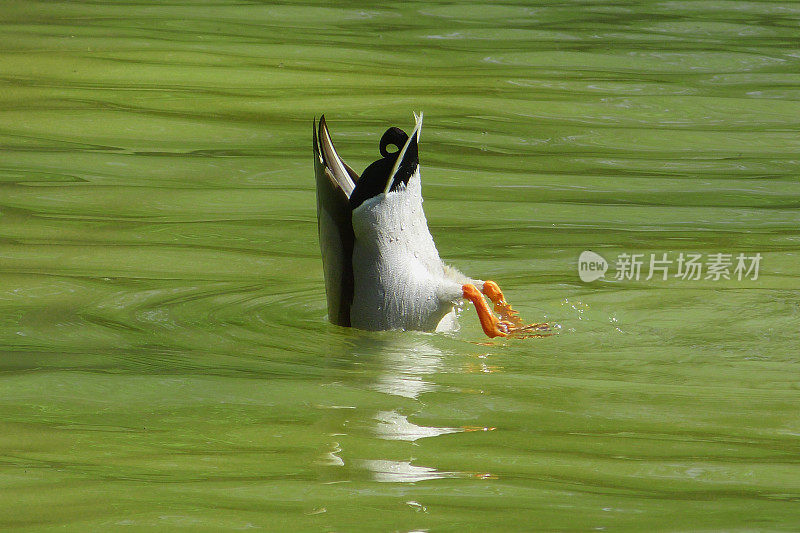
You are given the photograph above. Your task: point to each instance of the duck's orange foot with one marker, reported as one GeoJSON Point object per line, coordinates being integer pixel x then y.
{"type": "Point", "coordinates": [509, 323]}
{"type": "Point", "coordinates": [531, 330]}
{"type": "Point", "coordinates": [501, 306]}
{"type": "Point", "coordinates": [492, 326]}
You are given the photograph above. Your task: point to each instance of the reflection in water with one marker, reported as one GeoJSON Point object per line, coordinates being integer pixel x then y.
{"type": "Point", "coordinates": [402, 366]}
{"type": "Point", "coordinates": [406, 363]}
{"type": "Point", "coordinates": [394, 426]}
{"type": "Point", "coordinates": [330, 458]}
{"type": "Point", "coordinates": [404, 472]}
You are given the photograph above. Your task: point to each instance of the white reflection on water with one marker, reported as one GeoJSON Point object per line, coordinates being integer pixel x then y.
{"type": "Point", "coordinates": [402, 366]}
{"type": "Point", "coordinates": [394, 426]}
{"type": "Point", "coordinates": [330, 458]}
{"type": "Point", "coordinates": [405, 366]}
{"type": "Point", "coordinates": [404, 472]}
{"type": "Point", "coordinates": [406, 362]}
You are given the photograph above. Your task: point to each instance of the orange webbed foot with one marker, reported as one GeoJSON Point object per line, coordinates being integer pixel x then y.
{"type": "Point", "coordinates": [501, 306]}
{"type": "Point", "coordinates": [492, 326]}
{"type": "Point", "coordinates": [509, 317]}
{"type": "Point", "coordinates": [509, 323]}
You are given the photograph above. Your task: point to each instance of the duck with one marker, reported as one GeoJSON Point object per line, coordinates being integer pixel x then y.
{"type": "Point", "coordinates": [381, 267]}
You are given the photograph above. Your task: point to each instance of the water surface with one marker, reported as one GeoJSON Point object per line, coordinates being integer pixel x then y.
{"type": "Point", "coordinates": [166, 361]}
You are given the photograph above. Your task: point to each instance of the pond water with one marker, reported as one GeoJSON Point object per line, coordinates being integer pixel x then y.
{"type": "Point", "coordinates": [166, 360]}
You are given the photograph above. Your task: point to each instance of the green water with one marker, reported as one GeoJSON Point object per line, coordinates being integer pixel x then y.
{"type": "Point", "coordinates": [166, 362]}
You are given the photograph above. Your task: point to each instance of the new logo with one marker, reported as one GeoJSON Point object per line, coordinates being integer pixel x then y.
{"type": "Point", "coordinates": [591, 266]}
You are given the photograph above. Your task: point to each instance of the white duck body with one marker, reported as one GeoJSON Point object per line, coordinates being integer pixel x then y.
{"type": "Point", "coordinates": [399, 280]}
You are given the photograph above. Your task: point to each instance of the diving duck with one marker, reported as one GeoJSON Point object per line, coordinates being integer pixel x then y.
{"type": "Point", "coordinates": [381, 267]}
